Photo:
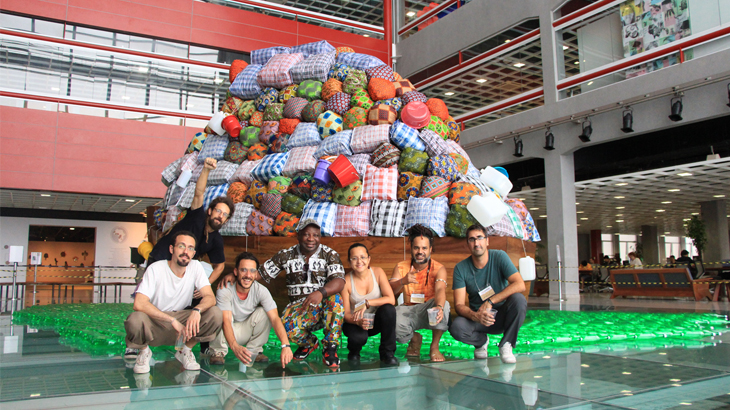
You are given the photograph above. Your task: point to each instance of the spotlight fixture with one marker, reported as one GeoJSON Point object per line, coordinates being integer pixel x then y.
{"type": "Point", "coordinates": [549, 140]}
{"type": "Point", "coordinates": [587, 131]}
{"type": "Point", "coordinates": [518, 147]}
{"type": "Point", "coordinates": [628, 120]}
{"type": "Point", "coordinates": [676, 109]}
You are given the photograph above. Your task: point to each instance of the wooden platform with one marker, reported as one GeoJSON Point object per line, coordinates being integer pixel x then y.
{"type": "Point", "coordinates": [385, 252]}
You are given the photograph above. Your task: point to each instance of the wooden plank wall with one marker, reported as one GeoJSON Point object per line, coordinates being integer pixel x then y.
{"type": "Point", "coordinates": [385, 253]}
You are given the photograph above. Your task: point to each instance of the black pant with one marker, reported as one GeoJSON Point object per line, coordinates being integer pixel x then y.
{"type": "Point", "coordinates": [384, 324]}
{"type": "Point", "coordinates": [510, 316]}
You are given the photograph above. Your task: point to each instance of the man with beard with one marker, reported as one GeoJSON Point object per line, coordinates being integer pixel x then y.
{"type": "Point", "coordinates": [423, 284]}
{"type": "Point", "coordinates": [249, 312]}
{"type": "Point", "coordinates": [487, 297]}
{"type": "Point", "coordinates": [160, 317]}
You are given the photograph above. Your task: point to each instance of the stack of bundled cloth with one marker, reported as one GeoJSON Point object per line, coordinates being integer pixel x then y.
{"type": "Point", "coordinates": [295, 111]}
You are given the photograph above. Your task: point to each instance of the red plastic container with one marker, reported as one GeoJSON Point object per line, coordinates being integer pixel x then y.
{"type": "Point", "coordinates": [415, 115]}
{"type": "Point", "coordinates": [343, 172]}
{"type": "Point", "coordinates": [232, 126]}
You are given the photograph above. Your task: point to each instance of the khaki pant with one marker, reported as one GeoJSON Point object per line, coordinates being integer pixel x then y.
{"type": "Point", "coordinates": [252, 333]}
{"type": "Point", "coordinates": [415, 317]}
{"type": "Point", "coordinates": [142, 330]}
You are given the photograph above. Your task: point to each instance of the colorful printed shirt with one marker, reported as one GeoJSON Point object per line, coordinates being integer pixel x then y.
{"type": "Point", "coordinates": [303, 278]}
{"type": "Point", "coordinates": [426, 280]}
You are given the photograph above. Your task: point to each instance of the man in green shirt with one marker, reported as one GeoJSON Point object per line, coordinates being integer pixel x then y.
{"type": "Point", "coordinates": [490, 281]}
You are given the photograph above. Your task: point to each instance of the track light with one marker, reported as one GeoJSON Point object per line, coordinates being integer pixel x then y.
{"type": "Point", "coordinates": [549, 140]}
{"type": "Point", "coordinates": [628, 120]}
{"type": "Point", "coordinates": [518, 147]}
{"type": "Point", "coordinates": [676, 109]}
{"type": "Point", "coordinates": [587, 131]}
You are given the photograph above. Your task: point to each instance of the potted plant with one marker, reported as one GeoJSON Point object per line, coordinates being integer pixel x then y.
{"type": "Point", "coordinates": [695, 230]}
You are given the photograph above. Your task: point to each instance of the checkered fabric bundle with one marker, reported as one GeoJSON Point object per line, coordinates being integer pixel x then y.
{"type": "Point", "coordinates": [387, 218]}
{"type": "Point", "coordinates": [305, 134]}
{"type": "Point", "coordinates": [243, 172]}
{"type": "Point", "coordinates": [359, 161]}
{"type": "Point", "coordinates": [353, 220]}
{"type": "Point", "coordinates": [338, 144]}
{"type": "Point", "coordinates": [214, 147]}
{"type": "Point", "coordinates": [271, 204]}
{"type": "Point", "coordinates": [190, 161]}
{"type": "Point", "coordinates": [324, 213]}
{"type": "Point", "coordinates": [270, 166]}
{"type": "Point", "coordinates": [314, 67]}
{"type": "Point", "coordinates": [380, 183]}
{"type": "Point", "coordinates": [301, 159]}
{"type": "Point", "coordinates": [223, 173]}
{"type": "Point", "coordinates": [317, 47]}
{"type": "Point", "coordinates": [404, 136]}
{"type": "Point", "coordinates": [427, 212]}
{"type": "Point", "coordinates": [196, 173]}
{"type": "Point", "coordinates": [262, 56]}
{"type": "Point", "coordinates": [382, 114]}
{"type": "Point", "coordinates": [236, 226]}
{"type": "Point", "coordinates": [395, 102]}
{"type": "Point", "coordinates": [172, 171]}
{"type": "Point", "coordinates": [212, 192]}
{"type": "Point", "coordinates": [402, 87]}
{"type": "Point", "coordinates": [359, 61]}
{"type": "Point", "coordinates": [365, 139]}
{"type": "Point", "coordinates": [435, 145]}
{"type": "Point", "coordinates": [172, 195]}
{"type": "Point", "coordinates": [245, 85]}
{"type": "Point", "coordinates": [505, 227]}
{"type": "Point", "coordinates": [276, 72]}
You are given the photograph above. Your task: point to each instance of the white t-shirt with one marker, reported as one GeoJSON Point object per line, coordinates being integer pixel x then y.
{"type": "Point", "coordinates": [636, 263]}
{"type": "Point", "coordinates": [168, 292]}
{"type": "Point", "coordinates": [227, 299]}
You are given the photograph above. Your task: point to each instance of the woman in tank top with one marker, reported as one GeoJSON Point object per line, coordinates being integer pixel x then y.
{"type": "Point", "coordinates": [367, 290]}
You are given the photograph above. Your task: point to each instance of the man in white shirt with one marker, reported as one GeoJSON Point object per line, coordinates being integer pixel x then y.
{"type": "Point", "coordinates": [160, 318]}
{"type": "Point", "coordinates": [249, 312]}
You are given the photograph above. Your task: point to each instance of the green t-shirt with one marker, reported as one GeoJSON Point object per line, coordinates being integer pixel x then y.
{"type": "Point", "coordinates": [499, 268]}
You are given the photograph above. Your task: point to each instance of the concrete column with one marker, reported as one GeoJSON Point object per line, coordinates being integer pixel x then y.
{"type": "Point", "coordinates": [663, 250]}
{"type": "Point", "coordinates": [714, 213]}
{"type": "Point", "coordinates": [562, 229]}
{"type": "Point", "coordinates": [547, 47]}
{"type": "Point", "coordinates": [542, 248]}
{"type": "Point", "coordinates": [584, 246]}
{"type": "Point", "coordinates": [596, 245]}
{"type": "Point", "coordinates": [650, 244]}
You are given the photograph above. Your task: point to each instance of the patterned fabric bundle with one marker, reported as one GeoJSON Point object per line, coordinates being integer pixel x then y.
{"type": "Point", "coordinates": [355, 81]}
{"type": "Point", "coordinates": [286, 224]}
{"type": "Point", "coordinates": [355, 117]}
{"type": "Point", "coordinates": [236, 226]}
{"type": "Point", "coordinates": [338, 144]}
{"type": "Point", "coordinates": [339, 102]}
{"type": "Point", "coordinates": [236, 67]}
{"type": "Point", "coordinates": [294, 107]}
{"type": "Point", "coordinates": [462, 192]}
{"type": "Point", "coordinates": [434, 187]}
{"type": "Point", "coordinates": [427, 212]}
{"type": "Point", "coordinates": [330, 88]}
{"type": "Point", "coordinates": [245, 85]}
{"type": "Point", "coordinates": [271, 166]}
{"type": "Point", "coordinates": [301, 186]}
{"type": "Point", "coordinates": [438, 126]}
{"type": "Point", "coordinates": [172, 171]}
{"type": "Point", "coordinates": [279, 185]}
{"type": "Point", "coordinates": [214, 147]}
{"type": "Point", "coordinates": [443, 166]}
{"type": "Point", "coordinates": [257, 119]}
{"type": "Point", "coordinates": [361, 98]}
{"type": "Point", "coordinates": [310, 89]}
{"type": "Point", "coordinates": [267, 96]}
{"type": "Point", "coordinates": [384, 72]}
{"type": "Point", "coordinates": [461, 165]}
{"type": "Point", "coordinates": [528, 224]}
{"type": "Point", "coordinates": [256, 152]}
{"type": "Point", "coordinates": [255, 193]}
{"type": "Point", "coordinates": [305, 134]}
{"type": "Point", "coordinates": [314, 67]}
{"type": "Point", "coordinates": [380, 183]}
{"type": "Point", "coordinates": [288, 125]}
{"type": "Point", "coordinates": [274, 112]}
{"type": "Point", "coordinates": [287, 93]}
{"type": "Point", "coordinates": [353, 220]}
{"type": "Point", "coordinates": [329, 123]}
{"type": "Point", "coordinates": [232, 105]}
{"type": "Point", "coordinates": [249, 136]}
{"type": "Point", "coordinates": [196, 144]}
{"type": "Point", "coordinates": [246, 110]}
{"type": "Point", "coordinates": [292, 204]}
{"type": "Point", "coordinates": [235, 152]}
{"type": "Point", "coordinates": [438, 108]}
{"type": "Point", "coordinates": [359, 61]}
{"type": "Point", "coordinates": [380, 89]}
{"type": "Point", "coordinates": [412, 160]}
{"type": "Point", "coordinates": [411, 96]}
{"type": "Point", "coordinates": [454, 129]}
{"type": "Point", "coordinates": [317, 47]}
{"type": "Point", "coordinates": [313, 110]}
{"type": "Point", "coordinates": [243, 173]}
{"type": "Point", "coordinates": [366, 138]}
{"type": "Point", "coordinates": [387, 218]}
{"type": "Point", "coordinates": [404, 136]}
{"type": "Point", "coordinates": [263, 55]}
{"type": "Point", "coordinates": [409, 184]}
{"type": "Point", "coordinates": [344, 50]}
{"type": "Point", "coordinates": [393, 102]}
{"type": "Point", "coordinates": [276, 72]}
{"type": "Point", "coordinates": [402, 87]}
{"type": "Point", "coordinates": [268, 131]}
{"type": "Point", "coordinates": [458, 221]}
{"type": "Point", "coordinates": [324, 213]}
{"type": "Point", "coordinates": [339, 71]}
{"type": "Point", "coordinates": [435, 145]}
{"type": "Point", "coordinates": [301, 160]}
{"type": "Point", "coordinates": [237, 191]}
{"type": "Point", "coordinates": [349, 195]}
{"type": "Point", "coordinates": [385, 155]}
{"type": "Point", "coordinates": [382, 114]}
{"type": "Point", "coordinates": [259, 224]}
{"type": "Point", "coordinates": [271, 204]}
{"type": "Point", "coordinates": [222, 173]}
{"type": "Point", "coordinates": [321, 193]}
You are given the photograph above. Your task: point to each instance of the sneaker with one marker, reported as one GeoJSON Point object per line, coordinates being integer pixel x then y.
{"type": "Point", "coordinates": [481, 352]}
{"type": "Point", "coordinates": [261, 358]}
{"type": "Point", "coordinates": [142, 365]}
{"type": "Point", "coordinates": [303, 352]}
{"type": "Point", "coordinates": [187, 358]}
{"type": "Point", "coordinates": [507, 370]}
{"type": "Point", "coordinates": [143, 381]}
{"type": "Point", "coordinates": [505, 352]}
{"type": "Point", "coordinates": [187, 377]}
{"type": "Point", "coordinates": [329, 356]}
{"type": "Point", "coordinates": [130, 354]}
{"type": "Point", "coordinates": [354, 359]}
{"type": "Point", "coordinates": [218, 358]}
{"type": "Point", "coordinates": [389, 360]}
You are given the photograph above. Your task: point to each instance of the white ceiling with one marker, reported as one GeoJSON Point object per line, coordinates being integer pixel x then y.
{"type": "Point", "coordinates": [66, 201]}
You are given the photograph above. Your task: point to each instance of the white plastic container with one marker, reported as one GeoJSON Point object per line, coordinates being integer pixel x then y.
{"type": "Point", "coordinates": [215, 122]}
{"type": "Point", "coordinates": [497, 181]}
{"type": "Point", "coordinates": [184, 178]}
{"type": "Point", "coordinates": [527, 268]}
{"type": "Point", "coordinates": [487, 209]}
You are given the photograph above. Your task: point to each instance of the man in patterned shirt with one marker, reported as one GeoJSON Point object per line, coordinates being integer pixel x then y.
{"type": "Point", "coordinates": [314, 278]}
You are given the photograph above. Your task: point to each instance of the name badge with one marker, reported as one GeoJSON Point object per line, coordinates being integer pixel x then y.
{"type": "Point", "coordinates": [486, 293]}
{"type": "Point", "coordinates": [359, 306]}
{"type": "Point", "coordinates": [418, 297]}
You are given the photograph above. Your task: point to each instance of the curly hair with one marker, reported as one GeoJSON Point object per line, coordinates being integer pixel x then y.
{"type": "Point", "coordinates": [226, 200]}
{"type": "Point", "coordinates": [418, 230]}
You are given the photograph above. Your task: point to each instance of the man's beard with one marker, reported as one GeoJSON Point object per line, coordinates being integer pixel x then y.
{"type": "Point", "coordinates": [413, 260]}
{"type": "Point", "coordinates": [214, 225]}
{"type": "Point", "coordinates": [182, 263]}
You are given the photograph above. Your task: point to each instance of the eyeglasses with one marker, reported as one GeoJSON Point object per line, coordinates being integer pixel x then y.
{"type": "Point", "coordinates": [223, 214]}
{"type": "Point", "coordinates": [476, 239]}
{"type": "Point", "coordinates": [361, 258]}
{"type": "Point", "coordinates": [245, 271]}
{"type": "Point", "coordinates": [182, 247]}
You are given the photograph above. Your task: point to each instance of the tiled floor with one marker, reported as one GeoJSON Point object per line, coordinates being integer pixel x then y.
{"type": "Point", "coordinates": [679, 373]}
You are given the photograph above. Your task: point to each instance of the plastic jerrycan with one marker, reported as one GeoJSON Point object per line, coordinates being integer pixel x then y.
{"type": "Point", "coordinates": [497, 181]}
{"type": "Point", "coordinates": [487, 209]}
{"type": "Point", "coordinates": [527, 268]}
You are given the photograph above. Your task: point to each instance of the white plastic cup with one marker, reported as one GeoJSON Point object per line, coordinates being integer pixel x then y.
{"type": "Point", "coordinates": [242, 366]}
{"type": "Point", "coordinates": [216, 121]}
{"type": "Point", "coordinates": [497, 181]}
{"type": "Point", "coordinates": [433, 314]}
{"type": "Point", "coordinates": [184, 178]}
{"type": "Point", "coordinates": [368, 320]}
{"type": "Point", "coordinates": [487, 209]}
{"type": "Point", "coordinates": [180, 342]}
{"type": "Point", "coordinates": [493, 312]}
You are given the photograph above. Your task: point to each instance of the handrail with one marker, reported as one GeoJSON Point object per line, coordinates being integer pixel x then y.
{"type": "Point", "coordinates": [106, 106]}
{"type": "Point", "coordinates": [427, 15]}
{"type": "Point", "coordinates": [312, 15]}
{"type": "Point", "coordinates": [471, 63]}
{"type": "Point", "coordinates": [500, 105]}
{"type": "Point", "coordinates": [585, 12]}
{"type": "Point", "coordinates": [679, 45]}
{"type": "Point", "coordinates": [112, 49]}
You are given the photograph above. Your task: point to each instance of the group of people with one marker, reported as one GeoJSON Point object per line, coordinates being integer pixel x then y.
{"type": "Point", "coordinates": [175, 304]}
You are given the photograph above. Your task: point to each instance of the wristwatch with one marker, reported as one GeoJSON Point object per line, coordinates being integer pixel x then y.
{"type": "Point", "coordinates": [490, 301]}
{"type": "Point", "coordinates": [197, 310]}
{"type": "Point", "coordinates": [283, 346]}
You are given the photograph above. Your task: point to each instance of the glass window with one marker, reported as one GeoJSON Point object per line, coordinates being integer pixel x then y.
{"type": "Point", "coordinates": [32, 25]}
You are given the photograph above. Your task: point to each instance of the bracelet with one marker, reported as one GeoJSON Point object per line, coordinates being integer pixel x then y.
{"type": "Point", "coordinates": [367, 304]}
{"type": "Point", "coordinates": [323, 292]}
{"type": "Point", "coordinates": [401, 281]}
{"type": "Point", "coordinates": [440, 280]}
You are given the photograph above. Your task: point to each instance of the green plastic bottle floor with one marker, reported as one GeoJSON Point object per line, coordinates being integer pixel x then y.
{"type": "Point", "coordinates": [615, 359]}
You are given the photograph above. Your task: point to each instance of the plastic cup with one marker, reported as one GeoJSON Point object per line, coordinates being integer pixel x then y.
{"type": "Point", "coordinates": [433, 314]}
{"type": "Point", "coordinates": [493, 312]}
{"type": "Point", "coordinates": [368, 320]}
{"type": "Point", "coordinates": [180, 342]}
{"type": "Point", "coordinates": [242, 366]}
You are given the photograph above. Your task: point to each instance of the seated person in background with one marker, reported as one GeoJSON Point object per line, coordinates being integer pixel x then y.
{"type": "Point", "coordinates": [684, 259]}
{"type": "Point", "coordinates": [585, 272]}
{"type": "Point", "coordinates": [423, 283]}
{"type": "Point", "coordinates": [606, 260]}
{"type": "Point", "coordinates": [634, 261]}
{"type": "Point", "coordinates": [160, 317]}
{"type": "Point", "coordinates": [671, 262]}
{"type": "Point", "coordinates": [367, 291]}
{"type": "Point", "coordinates": [249, 312]}
{"type": "Point", "coordinates": [617, 260]}
{"type": "Point", "coordinates": [314, 279]}
{"type": "Point", "coordinates": [485, 281]}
